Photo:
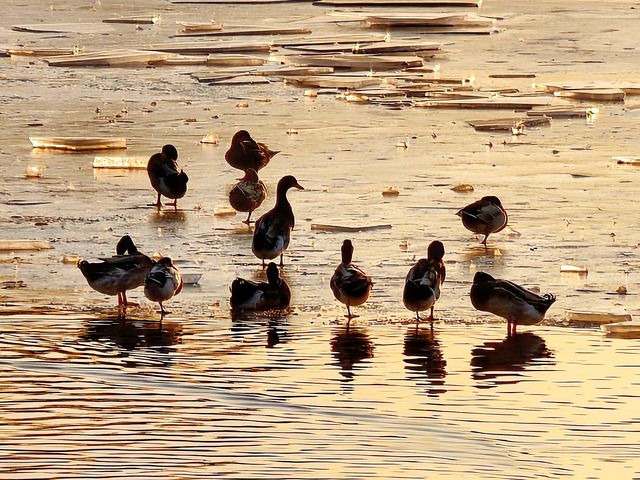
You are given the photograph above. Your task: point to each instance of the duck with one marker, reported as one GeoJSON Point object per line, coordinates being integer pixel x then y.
{"type": "Point", "coordinates": [423, 282]}
{"type": "Point", "coordinates": [163, 282]}
{"type": "Point", "coordinates": [244, 152]}
{"type": "Point", "coordinates": [272, 231]}
{"type": "Point", "coordinates": [248, 194]}
{"type": "Point", "coordinates": [349, 283]}
{"type": "Point", "coordinates": [165, 177]}
{"type": "Point", "coordinates": [508, 300]}
{"type": "Point", "coordinates": [115, 275]}
{"type": "Point", "coordinates": [484, 216]}
{"type": "Point", "coordinates": [249, 295]}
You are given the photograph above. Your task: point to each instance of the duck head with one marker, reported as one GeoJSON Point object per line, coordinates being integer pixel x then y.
{"type": "Point", "coordinates": [165, 262]}
{"type": "Point", "coordinates": [481, 277]}
{"type": "Point", "coordinates": [273, 274]}
{"type": "Point", "coordinates": [170, 152]}
{"type": "Point", "coordinates": [493, 199]}
{"type": "Point", "coordinates": [287, 182]}
{"type": "Point", "coordinates": [435, 250]}
{"type": "Point", "coordinates": [239, 136]}
{"type": "Point", "coordinates": [347, 251]}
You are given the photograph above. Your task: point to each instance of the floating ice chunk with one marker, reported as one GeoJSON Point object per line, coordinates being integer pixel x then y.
{"type": "Point", "coordinates": [224, 212]}
{"type": "Point", "coordinates": [210, 138]}
{"type": "Point", "coordinates": [35, 171]}
{"type": "Point", "coordinates": [463, 188]}
{"type": "Point", "coordinates": [574, 269]}
{"type": "Point", "coordinates": [622, 327]}
{"type": "Point", "coordinates": [596, 318]}
{"type": "Point", "coordinates": [120, 162]}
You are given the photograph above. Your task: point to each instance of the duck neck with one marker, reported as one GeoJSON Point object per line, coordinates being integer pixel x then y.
{"type": "Point", "coordinates": [347, 253]}
{"type": "Point", "coordinates": [282, 203]}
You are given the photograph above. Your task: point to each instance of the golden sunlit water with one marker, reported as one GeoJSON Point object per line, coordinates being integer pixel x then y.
{"type": "Point", "coordinates": [208, 392]}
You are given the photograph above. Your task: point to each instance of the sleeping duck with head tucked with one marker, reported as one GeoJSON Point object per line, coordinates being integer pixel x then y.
{"type": "Point", "coordinates": [272, 232]}
{"type": "Point", "coordinates": [485, 216]}
{"type": "Point", "coordinates": [248, 194]}
{"type": "Point", "coordinates": [244, 152]}
{"type": "Point", "coordinates": [508, 300]}
{"type": "Point", "coordinates": [166, 176]}
{"type": "Point", "coordinates": [163, 282]}
{"type": "Point", "coordinates": [423, 282]}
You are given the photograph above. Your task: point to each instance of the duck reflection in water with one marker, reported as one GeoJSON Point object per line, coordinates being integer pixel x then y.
{"type": "Point", "coordinates": [133, 334]}
{"type": "Point", "coordinates": [423, 355]}
{"type": "Point", "coordinates": [510, 355]}
{"type": "Point", "coordinates": [248, 323]}
{"type": "Point", "coordinates": [351, 345]}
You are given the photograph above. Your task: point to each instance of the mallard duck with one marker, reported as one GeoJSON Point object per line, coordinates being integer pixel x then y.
{"type": "Point", "coordinates": [165, 177]}
{"type": "Point", "coordinates": [349, 283]}
{"type": "Point", "coordinates": [115, 275]}
{"type": "Point", "coordinates": [508, 300]}
{"type": "Point", "coordinates": [163, 282]}
{"type": "Point", "coordinates": [244, 152]}
{"type": "Point", "coordinates": [423, 282]}
{"type": "Point", "coordinates": [485, 216]}
{"type": "Point", "coordinates": [248, 194]}
{"type": "Point", "coordinates": [272, 231]}
{"type": "Point", "coordinates": [274, 293]}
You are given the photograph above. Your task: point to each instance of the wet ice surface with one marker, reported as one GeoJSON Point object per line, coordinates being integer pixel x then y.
{"type": "Point", "coordinates": [298, 395]}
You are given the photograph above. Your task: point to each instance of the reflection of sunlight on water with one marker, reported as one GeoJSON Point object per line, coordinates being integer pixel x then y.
{"type": "Point", "coordinates": [498, 362]}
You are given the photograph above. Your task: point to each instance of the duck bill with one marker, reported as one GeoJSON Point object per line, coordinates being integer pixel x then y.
{"type": "Point", "coordinates": [298, 186]}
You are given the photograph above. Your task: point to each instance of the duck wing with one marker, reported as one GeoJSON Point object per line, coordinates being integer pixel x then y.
{"type": "Point", "coordinates": [351, 280]}
{"type": "Point", "coordinates": [427, 273]}
{"type": "Point", "coordinates": [160, 167]}
{"type": "Point", "coordinates": [508, 293]}
{"type": "Point", "coordinates": [480, 211]}
{"type": "Point", "coordinates": [270, 229]}
{"type": "Point", "coordinates": [177, 183]}
{"type": "Point", "coordinates": [156, 277]}
{"type": "Point", "coordinates": [127, 262]}
{"type": "Point", "coordinates": [243, 291]}
{"type": "Point", "coordinates": [422, 281]}
{"type": "Point", "coordinates": [251, 148]}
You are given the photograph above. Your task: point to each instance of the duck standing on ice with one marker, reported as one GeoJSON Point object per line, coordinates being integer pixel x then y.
{"type": "Point", "coordinates": [485, 216]}
{"type": "Point", "coordinates": [115, 275]}
{"type": "Point", "coordinates": [349, 283]}
{"type": "Point", "coordinates": [163, 282]}
{"type": "Point", "coordinates": [509, 301]}
{"type": "Point", "coordinates": [272, 232]}
{"type": "Point", "coordinates": [248, 194]}
{"type": "Point", "coordinates": [166, 176]}
{"type": "Point", "coordinates": [423, 282]}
